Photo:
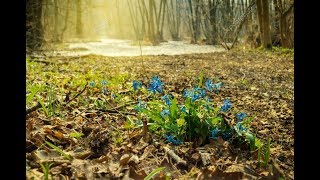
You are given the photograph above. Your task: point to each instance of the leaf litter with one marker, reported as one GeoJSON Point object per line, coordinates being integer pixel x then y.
{"type": "Point", "coordinates": [94, 127]}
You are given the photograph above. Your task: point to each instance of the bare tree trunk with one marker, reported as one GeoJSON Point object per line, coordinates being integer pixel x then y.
{"type": "Point", "coordinates": [162, 19]}
{"type": "Point", "coordinates": [151, 23]}
{"type": "Point", "coordinates": [119, 19]}
{"type": "Point", "coordinates": [173, 17]}
{"type": "Point", "coordinates": [56, 22]}
{"type": "Point", "coordinates": [79, 29]}
{"type": "Point", "coordinates": [195, 20]}
{"type": "Point", "coordinates": [65, 20]}
{"type": "Point", "coordinates": [143, 24]}
{"type": "Point", "coordinates": [34, 28]}
{"type": "Point", "coordinates": [259, 13]}
{"type": "Point", "coordinates": [267, 43]}
{"type": "Point", "coordinates": [133, 20]}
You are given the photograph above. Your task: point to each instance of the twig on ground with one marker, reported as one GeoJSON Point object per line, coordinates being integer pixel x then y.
{"type": "Point", "coordinates": [77, 94]}
{"type": "Point", "coordinates": [115, 111]}
{"type": "Point", "coordinates": [175, 156]}
{"type": "Point", "coordinates": [30, 110]}
{"type": "Point", "coordinates": [205, 157]}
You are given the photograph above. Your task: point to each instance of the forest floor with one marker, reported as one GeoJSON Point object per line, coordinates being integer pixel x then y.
{"type": "Point", "coordinates": [94, 141]}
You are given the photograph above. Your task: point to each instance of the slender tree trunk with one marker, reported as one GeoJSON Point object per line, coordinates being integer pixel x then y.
{"type": "Point", "coordinates": [259, 14]}
{"type": "Point", "coordinates": [119, 20]}
{"type": "Point", "coordinates": [79, 29]}
{"type": "Point", "coordinates": [56, 22]}
{"type": "Point", "coordinates": [133, 20]}
{"type": "Point", "coordinates": [65, 20]}
{"type": "Point", "coordinates": [267, 43]}
{"type": "Point", "coordinates": [143, 26]}
{"type": "Point", "coordinates": [151, 22]}
{"type": "Point", "coordinates": [34, 28]}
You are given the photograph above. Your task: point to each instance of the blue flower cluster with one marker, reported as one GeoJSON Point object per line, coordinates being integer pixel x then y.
{"type": "Point", "coordinates": [227, 134]}
{"type": "Point", "coordinates": [167, 99]}
{"type": "Point", "coordinates": [183, 108]}
{"type": "Point", "coordinates": [210, 86]}
{"type": "Point", "coordinates": [155, 85]}
{"type": "Point", "coordinates": [104, 90]}
{"type": "Point", "coordinates": [226, 105]}
{"type": "Point", "coordinates": [217, 86]}
{"type": "Point", "coordinates": [241, 128]}
{"type": "Point", "coordinates": [140, 106]}
{"type": "Point", "coordinates": [165, 112]}
{"type": "Point", "coordinates": [104, 82]}
{"type": "Point", "coordinates": [241, 116]}
{"type": "Point", "coordinates": [214, 133]}
{"type": "Point", "coordinates": [194, 94]}
{"type": "Point", "coordinates": [172, 139]}
{"type": "Point", "coordinates": [136, 85]}
{"type": "Point", "coordinates": [92, 84]}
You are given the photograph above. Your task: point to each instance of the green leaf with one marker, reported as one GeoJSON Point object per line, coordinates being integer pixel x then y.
{"type": "Point", "coordinates": [173, 109]}
{"type": "Point", "coordinates": [44, 108]}
{"type": "Point", "coordinates": [181, 122]}
{"type": "Point", "coordinates": [153, 173]}
{"type": "Point", "coordinates": [76, 135]}
{"type": "Point", "coordinates": [67, 156]}
{"type": "Point", "coordinates": [200, 79]}
{"type": "Point", "coordinates": [216, 120]}
{"type": "Point", "coordinates": [267, 153]}
{"type": "Point", "coordinates": [251, 139]}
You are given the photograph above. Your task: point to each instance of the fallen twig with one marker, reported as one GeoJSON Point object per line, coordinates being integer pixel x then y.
{"type": "Point", "coordinates": [77, 94]}
{"type": "Point", "coordinates": [28, 111]}
{"type": "Point", "coordinates": [115, 111]}
{"type": "Point", "coordinates": [205, 157]}
{"type": "Point", "coordinates": [175, 156]}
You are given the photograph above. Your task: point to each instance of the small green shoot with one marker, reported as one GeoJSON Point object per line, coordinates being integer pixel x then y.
{"type": "Point", "coordinates": [76, 135]}
{"type": "Point", "coordinates": [153, 173]}
{"type": "Point", "coordinates": [267, 153]}
{"type": "Point", "coordinates": [67, 156]}
{"type": "Point", "coordinates": [45, 169]}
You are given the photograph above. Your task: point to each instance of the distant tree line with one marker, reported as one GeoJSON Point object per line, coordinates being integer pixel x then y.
{"type": "Point", "coordinates": [264, 23]}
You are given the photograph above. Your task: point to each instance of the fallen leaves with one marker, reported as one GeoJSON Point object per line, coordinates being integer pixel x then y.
{"type": "Point", "coordinates": [103, 148]}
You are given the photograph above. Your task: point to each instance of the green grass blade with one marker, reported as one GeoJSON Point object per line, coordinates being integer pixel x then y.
{"type": "Point", "coordinates": [44, 108]}
{"type": "Point", "coordinates": [267, 153]}
{"type": "Point", "coordinates": [154, 172]}
{"type": "Point", "coordinates": [67, 156]}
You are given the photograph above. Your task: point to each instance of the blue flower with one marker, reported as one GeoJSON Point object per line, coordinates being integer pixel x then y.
{"type": "Point", "coordinates": [155, 85]}
{"type": "Point", "coordinates": [194, 94]}
{"type": "Point", "coordinates": [165, 112]}
{"type": "Point", "coordinates": [104, 82]}
{"type": "Point", "coordinates": [172, 139]}
{"type": "Point", "coordinates": [226, 135]}
{"type": "Point", "coordinates": [113, 95]}
{"type": "Point", "coordinates": [209, 85]}
{"type": "Point", "coordinates": [214, 133]}
{"type": "Point", "coordinates": [141, 105]}
{"type": "Point", "coordinates": [200, 91]}
{"type": "Point", "coordinates": [217, 86]}
{"type": "Point", "coordinates": [166, 99]}
{"type": "Point", "coordinates": [183, 109]}
{"type": "Point", "coordinates": [92, 83]}
{"type": "Point", "coordinates": [241, 116]}
{"type": "Point", "coordinates": [226, 105]}
{"type": "Point", "coordinates": [104, 90]}
{"type": "Point", "coordinates": [187, 93]}
{"type": "Point", "coordinates": [136, 85]}
{"type": "Point", "coordinates": [241, 128]}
